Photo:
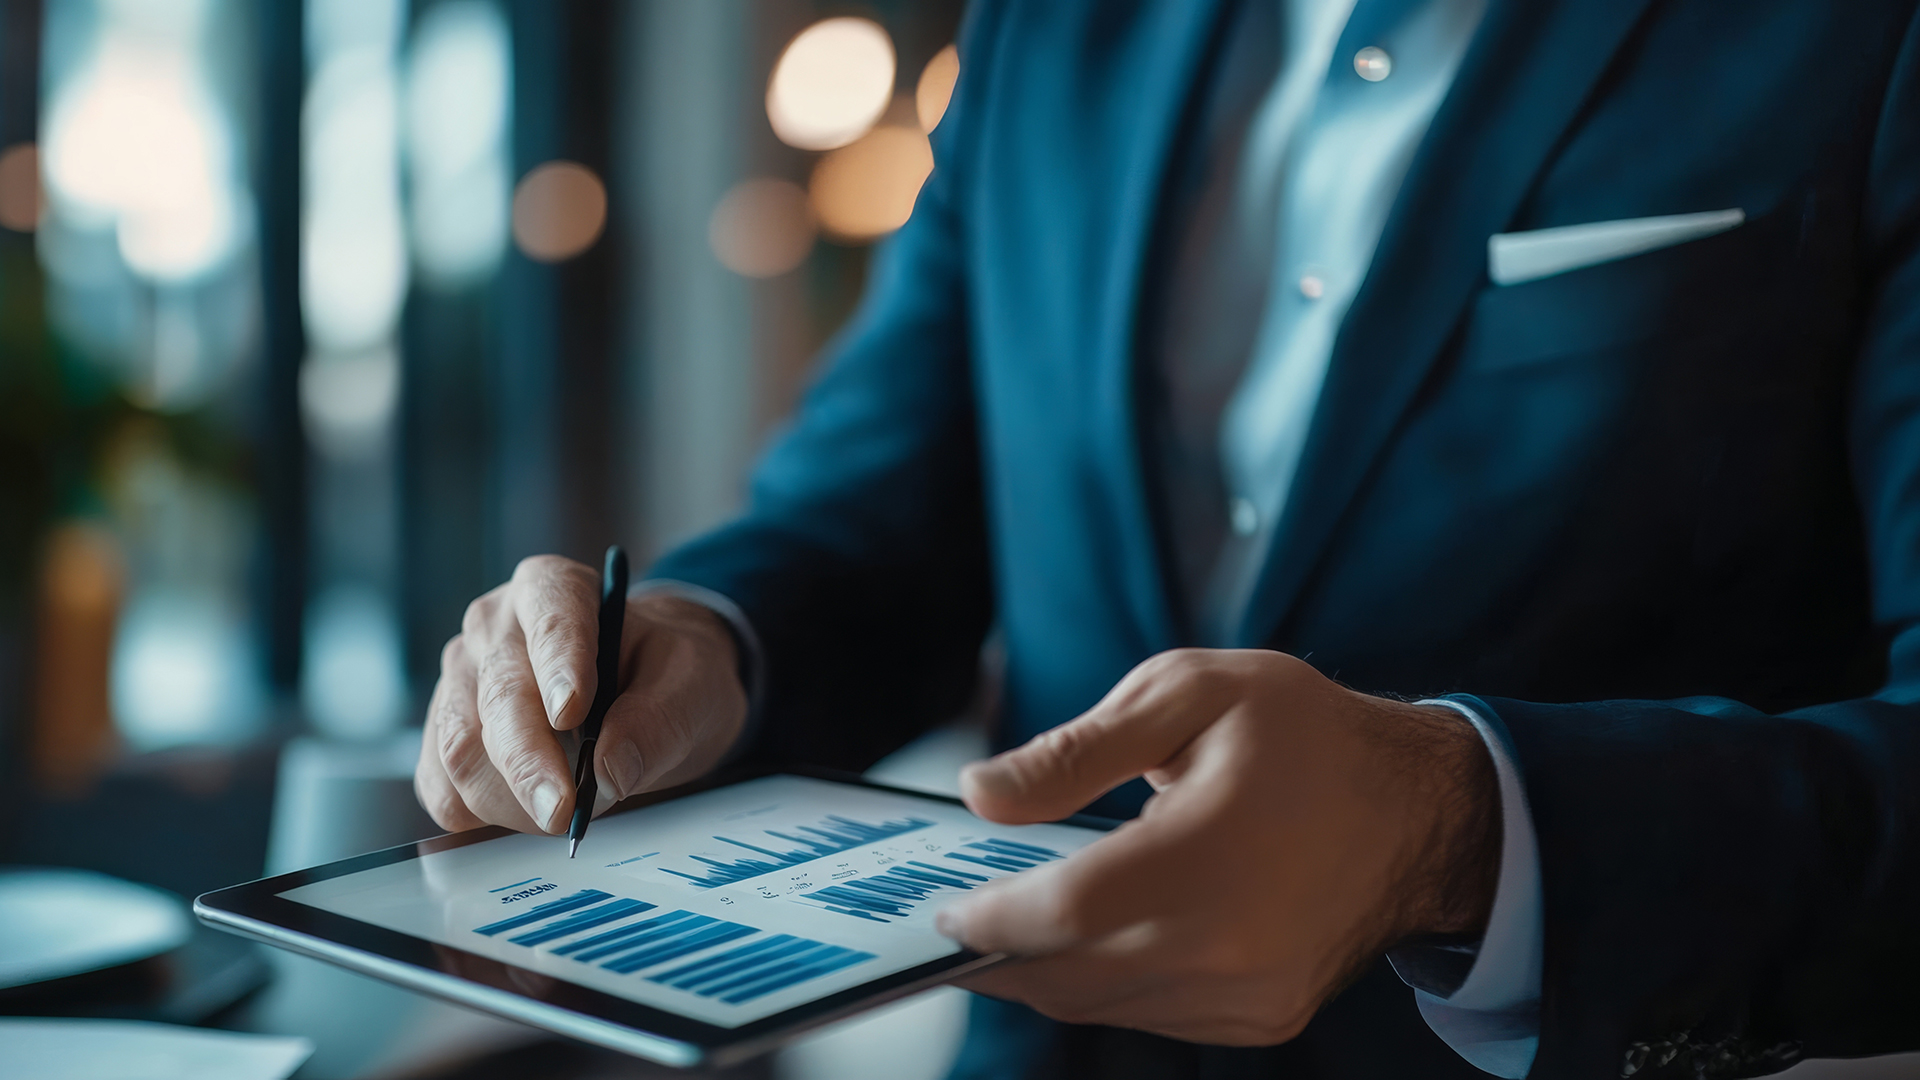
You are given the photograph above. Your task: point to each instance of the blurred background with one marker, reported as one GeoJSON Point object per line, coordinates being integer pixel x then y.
{"type": "Point", "coordinates": [318, 315]}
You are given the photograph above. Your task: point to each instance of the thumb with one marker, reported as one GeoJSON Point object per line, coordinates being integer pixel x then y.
{"type": "Point", "coordinates": [1147, 719]}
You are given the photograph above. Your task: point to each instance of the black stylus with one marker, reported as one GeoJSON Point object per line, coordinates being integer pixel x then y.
{"type": "Point", "coordinates": [606, 664]}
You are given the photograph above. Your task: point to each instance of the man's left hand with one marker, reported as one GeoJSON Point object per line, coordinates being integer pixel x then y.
{"type": "Point", "coordinates": [1298, 830]}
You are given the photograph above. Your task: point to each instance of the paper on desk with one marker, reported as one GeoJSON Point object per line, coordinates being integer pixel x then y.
{"type": "Point", "coordinates": [131, 1050]}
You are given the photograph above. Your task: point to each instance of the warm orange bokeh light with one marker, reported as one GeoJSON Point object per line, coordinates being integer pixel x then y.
{"type": "Point", "coordinates": [83, 583]}
{"type": "Point", "coordinates": [930, 98]}
{"type": "Point", "coordinates": [867, 190]}
{"type": "Point", "coordinates": [831, 84]}
{"type": "Point", "coordinates": [20, 187]}
{"type": "Point", "coordinates": [559, 209]}
{"type": "Point", "coordinates": [762, 228]}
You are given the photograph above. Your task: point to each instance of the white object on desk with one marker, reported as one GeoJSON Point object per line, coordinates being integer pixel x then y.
{"type": "Point", "coordinates": [55, 923]}
{"type": "Point", "coordinates": [133, 1050]}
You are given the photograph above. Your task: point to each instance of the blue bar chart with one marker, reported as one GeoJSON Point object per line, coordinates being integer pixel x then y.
{"type": "Point", "coordinates": [830, 836]}
{"type": "Point", "coordinates": [581, 920]}
{"type": "Point", "coordinates": [545, 911]}
{"type": "Point", "coordinates": [895, 892]}
{"type": "Point", "coordinates": [626, 937]}
{"type": "Point", "coordinates": [740, 975]}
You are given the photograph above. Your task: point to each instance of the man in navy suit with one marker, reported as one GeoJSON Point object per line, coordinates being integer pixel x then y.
{"type": "Point", "coordinates": [1546, 373]}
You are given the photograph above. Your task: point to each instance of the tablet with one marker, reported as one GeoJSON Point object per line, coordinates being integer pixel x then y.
{"type": "Point", "coordinates": [701, 926]}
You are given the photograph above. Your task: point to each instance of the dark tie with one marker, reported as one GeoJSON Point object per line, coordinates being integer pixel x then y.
{"type": "Point", "coordinates": [1204, 301]}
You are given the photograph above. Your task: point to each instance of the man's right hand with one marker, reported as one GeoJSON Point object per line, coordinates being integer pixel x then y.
{"type": "Point", "coordinates": [521, 672]}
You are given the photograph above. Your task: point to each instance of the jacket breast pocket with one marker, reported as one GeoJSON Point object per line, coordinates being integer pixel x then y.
{"type": "Point", "coordinates": [1700, 288]}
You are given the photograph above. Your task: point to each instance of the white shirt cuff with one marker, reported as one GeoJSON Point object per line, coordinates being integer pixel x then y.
{"type": "Point", "coordinates": [1493, 1017]}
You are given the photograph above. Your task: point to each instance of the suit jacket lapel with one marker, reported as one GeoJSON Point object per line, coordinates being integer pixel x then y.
{"type": "Point", "coordinates": [1523, 82]}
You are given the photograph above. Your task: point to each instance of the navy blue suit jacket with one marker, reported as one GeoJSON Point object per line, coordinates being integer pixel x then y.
{"type": "Point", "coordinates": [1661, 516]}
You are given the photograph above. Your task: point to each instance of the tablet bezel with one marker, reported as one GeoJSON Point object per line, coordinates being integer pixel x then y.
{"type": "Point", "coordinates": [257, 910]}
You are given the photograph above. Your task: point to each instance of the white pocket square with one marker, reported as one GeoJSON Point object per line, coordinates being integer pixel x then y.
{"type": "Point", "coordinates": [1527, 256]}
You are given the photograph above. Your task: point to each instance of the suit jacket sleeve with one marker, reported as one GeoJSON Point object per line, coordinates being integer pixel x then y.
{"type": "Point", "coordinates": [1727, 891]}
{"type": "Point", "coordinates": [861, 562]}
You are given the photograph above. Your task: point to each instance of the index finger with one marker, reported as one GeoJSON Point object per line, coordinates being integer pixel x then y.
{"type": "Point", "coordinates": [557, 603]}
{"type": "Point", "coordinates": [525, 751]}
{"type": "Point", "coordinates": [1141, 724]}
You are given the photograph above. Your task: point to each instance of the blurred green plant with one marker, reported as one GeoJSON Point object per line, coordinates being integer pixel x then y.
{"type": "Point", "coordinates": [33, 420]}
{"type": "Point", "coordinates": [61, 417]}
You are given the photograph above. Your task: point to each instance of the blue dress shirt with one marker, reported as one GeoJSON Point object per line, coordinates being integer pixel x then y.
{"type": "Point", "coordinates": [1320, 163]}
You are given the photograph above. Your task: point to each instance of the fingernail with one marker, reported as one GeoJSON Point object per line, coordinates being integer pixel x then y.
{"type": "Point", "coordinates": [559, 700]}
{"type": "Point", "coordinates": [625, 768]}
{"type": "Point", "coordinates": [546, 799]}
{"type": "Point", "coordinates": [988, 776]}
{"type": "Point", "coordinates": [947, 923]}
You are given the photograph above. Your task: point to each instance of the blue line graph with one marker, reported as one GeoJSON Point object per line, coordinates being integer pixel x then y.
{"type": "Point", "coordinates": [893, 893]}
{"type": "Point", "coordinates": [830, 837]}
{"type": "Point", "coordinates": [760, 964]}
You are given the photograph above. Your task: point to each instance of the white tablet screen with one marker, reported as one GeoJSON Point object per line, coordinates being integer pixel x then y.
{"type": "Point", "coordinates": [726, 906]}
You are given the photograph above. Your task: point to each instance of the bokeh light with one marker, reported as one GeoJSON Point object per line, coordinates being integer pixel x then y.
{"type": "Point", "coordinates": [181, 667]}
{"type": "Point", "coordinates": [347, 401]}
{"type": "Point", "coordinates": [20, 187]}
{"type": "Point", "coordinates": [559, 210]}
{"type": "Point", "coordinates": [831, 84]}
{"type": "Point", "coordinates": [935, 89]}
{"type": "Point", "coordinates": [459, 86]}
{"type": "Point", "coordinates": [351, 681]}
{"type": "Point", "coordinates": [354, 266]}
{"type": "Point", "coordinates": [137, 141]}
{"type": "Point", "coordinates": [337, 26]}
{"type": "Point", "coordinates": [84, 579]}
{"type": "Point", "coordinates": [867, 190]}
{"type": "Point", "coordinates": [763, 228]}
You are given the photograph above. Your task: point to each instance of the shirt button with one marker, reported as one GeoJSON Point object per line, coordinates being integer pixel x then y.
{"type": "Point", "coordinates": [1312, 287]}
{"type": "Point", "coordinates": [1245, 517]}
{"type": "Point", "coordinates": [1372, 63]}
